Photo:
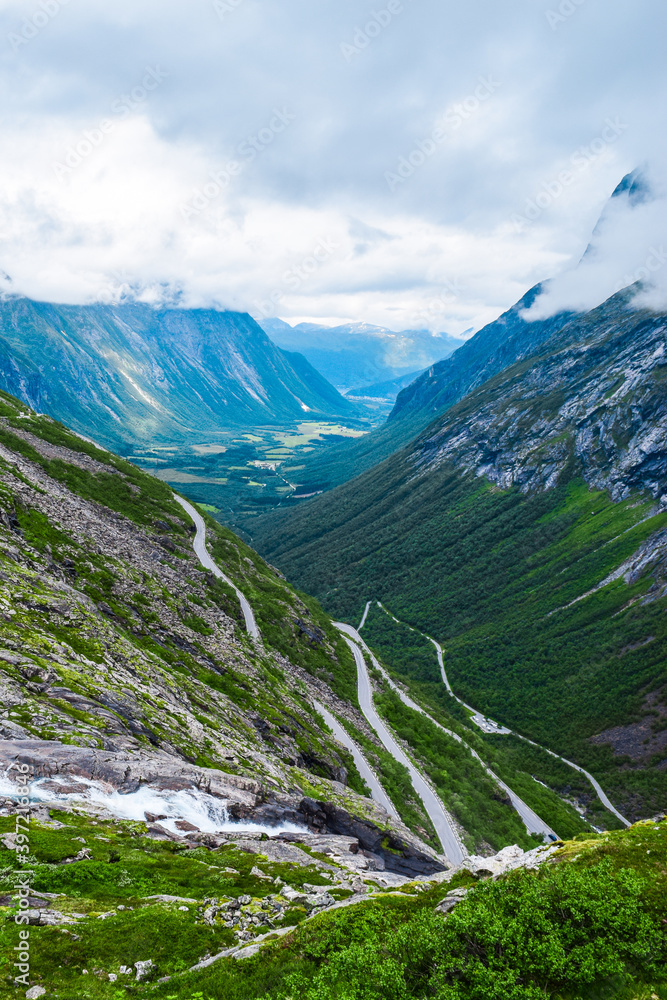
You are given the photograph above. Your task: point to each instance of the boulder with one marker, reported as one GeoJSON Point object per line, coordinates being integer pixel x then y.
{"type": "Point", "coordinates": [452, 899]}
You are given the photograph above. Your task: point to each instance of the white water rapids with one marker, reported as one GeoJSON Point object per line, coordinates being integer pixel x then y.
{"type": "Point", "coordinates": [208, 813]}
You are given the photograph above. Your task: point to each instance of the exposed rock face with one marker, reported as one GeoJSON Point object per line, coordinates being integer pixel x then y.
{"type": "Point", "coordinates": [397, 855]}
{"type": "Point", "coordinates": [393, 849]}
{"type": "Point", "coordinates": [126, 772]}
{"type": "Point", "coordinates": [596, 401]}
{"type": "Point", "coordinates": [143, 374]}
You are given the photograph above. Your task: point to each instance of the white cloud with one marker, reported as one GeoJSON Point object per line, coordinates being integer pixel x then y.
{"type": "Point", "coordinates": [628, 246]}
{"type": "Point", "coordinates": [439, 250]}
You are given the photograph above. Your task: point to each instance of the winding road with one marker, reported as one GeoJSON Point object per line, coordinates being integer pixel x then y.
{"type": "Point", "coordinates": [444, 827]}
{"type": "Point", "coordinates": [378, 793]}
{"type": "Point", "coordinates": [202, 553]}
{"type": "Point", "coordinates": [532, 822]}
{"type": "Point", "coordinates": [493, 727]}
{"type": "Point", "coordinates": [440, 818]}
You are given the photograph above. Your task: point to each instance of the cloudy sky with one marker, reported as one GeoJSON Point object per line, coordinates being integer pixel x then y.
{"type": "Point", "coordinates": [412, 163]}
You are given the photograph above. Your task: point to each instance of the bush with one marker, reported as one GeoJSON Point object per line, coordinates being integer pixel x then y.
{"type": "Point", "coordinates": [521, 938]}
{"type": "Point", "coordinates": [532, 934]}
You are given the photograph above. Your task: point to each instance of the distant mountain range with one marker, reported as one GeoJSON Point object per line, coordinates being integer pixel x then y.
{"type": "Point", "coordinates": [509, 339]}
{"type": "Point", "coordinates": [356, 356]}
{"type": "Point", "coordinates": [387, 391]}
{"type": "Point", "coordinates": [499, 344]}
{"type": "Point", "coordinates": [129, 374]}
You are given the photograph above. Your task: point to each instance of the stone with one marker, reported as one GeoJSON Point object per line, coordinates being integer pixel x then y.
{"type": "Point", "coordinates": [321, 901]}
{"type": "Point", "coordinates": [52, 918]}
{"type": "Point", "coordinates": [163, 898]}
{"type": "Point", "coordinates": [182, 824]}
{"type": "Point", "coordinates": [144, 969]}
{"type": "Point", "coordinates": [258, 873]}
{"type": "Point", "coordinates": [398, 854]}
{"type": "Point", "coordinates": [452, 899]}
{"type": "Point", "coordinates": [35, 992]}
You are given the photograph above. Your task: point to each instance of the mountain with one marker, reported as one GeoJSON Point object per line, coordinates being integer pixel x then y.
{"type": "Point", "coordinates": [513, 336]}
{"type": "Point", "coordinates": [170, 726]}
{"type": "Point", "coordinates": [526, 531]}
{"type": "Point", "coordinates": [118, 633]}
{"type": "Point", "coordinates": [130, 374]}
{"type": "Point", "coordinates": [114, 638]}
{"type": "Point", "coordinates": [501, 343]}
{"type": "Point", "coordinates": [508, 339]}
{"type": "Point", "coordinates": [355, 355]}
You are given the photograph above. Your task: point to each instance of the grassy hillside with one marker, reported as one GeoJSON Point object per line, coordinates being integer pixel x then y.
{"type": "Point", "coordinates": [589, 925]}
{"type": "Point", "coordinates": [112, 636]}
{"type": "Point", "coordinates": [490, 573]}
{"type": "Point", "coordinates": [525, 531]}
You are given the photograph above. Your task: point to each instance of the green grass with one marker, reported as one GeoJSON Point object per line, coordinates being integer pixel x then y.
{"type": "Point", "coordinates": [589, 927]}
{"type": "Point", "coordinates": [489, 573]}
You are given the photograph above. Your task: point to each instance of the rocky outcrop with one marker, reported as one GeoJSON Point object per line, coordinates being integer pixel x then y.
{"type": "Point", "coordinates": [124, 772]}
{"type": "Point", "coordinates": [65, 774]}
{"type": "Point", "coordinates": [393, 852]}
{"type": "Point", "coordinates": [594, 403]}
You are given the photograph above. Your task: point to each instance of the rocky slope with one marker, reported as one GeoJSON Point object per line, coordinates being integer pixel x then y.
{"type": "Point", "coordinates": [595, 401]}
{"type": "Point", "coordinates": [131, 374]}
{"type": "Point", "coordinates": [125, 664]}
{"type": "Point", "coordinates": [512, 337]}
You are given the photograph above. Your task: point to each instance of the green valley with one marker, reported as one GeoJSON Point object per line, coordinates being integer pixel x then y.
{"type": "Point", "coordinates": [508, 532]}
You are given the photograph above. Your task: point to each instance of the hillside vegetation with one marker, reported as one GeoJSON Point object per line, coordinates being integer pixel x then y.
{"type": "Point", "coordinates": [113, 637]}
{"type": "Point", "coordinates": [524, 530]}
{"type": "Point", "coordinates": [115, 641]}
{"type": "Point", "coordinates": [588, 925]}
